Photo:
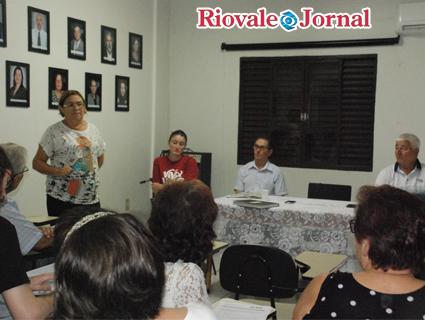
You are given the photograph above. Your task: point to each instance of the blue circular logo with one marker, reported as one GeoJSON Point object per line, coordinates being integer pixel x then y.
{"type": "Point", "coordinates": [288, 20]}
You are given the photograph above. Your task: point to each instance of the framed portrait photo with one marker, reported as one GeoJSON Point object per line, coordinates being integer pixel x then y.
{"type": "Point", "coordinates": [76, 39]}
{"type": "Point", "coordinates": [58, 83]}
{"type": "Point", "coordinates": [38, 30]}
{"type": "Point", "coordinates": [17, 84]}
{"type": "Point", "coordinates": [122, 93]}
{"type": "Point", "coordinates": [93, 94]}
{"type": "Point", "coordinates": [135, 51]}
{"type": "Point", "coordinates": [3, 24]}
{"type": "Point", "coordinates": [108, 42]}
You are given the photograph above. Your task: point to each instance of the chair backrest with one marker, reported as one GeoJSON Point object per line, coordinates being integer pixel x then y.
{"type": "Point", "coordinates": [255, 269]}
{"type": "Point", "coordinates": [329, 191]}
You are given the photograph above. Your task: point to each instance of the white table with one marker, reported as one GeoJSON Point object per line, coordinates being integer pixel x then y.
{"type": "Point", "coordinates": [306, 225]}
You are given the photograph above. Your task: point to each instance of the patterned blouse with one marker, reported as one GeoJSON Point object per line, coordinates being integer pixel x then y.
{"type": "Point", "coordinates": [342, 297]}
{"type": "Point", "coordinates": [79, 150]}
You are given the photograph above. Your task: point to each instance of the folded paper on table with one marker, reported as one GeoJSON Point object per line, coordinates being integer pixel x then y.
{"type": "Point", "coordinates": [230, 309]}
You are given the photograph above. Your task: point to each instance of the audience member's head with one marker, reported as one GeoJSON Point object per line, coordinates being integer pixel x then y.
{"type": "Point", "coordinates": [106, 267]}
{"type": "Point", "coordinates": [182, 218]}
{"type": "Point", "coordinates": [393, 220]}
{"type": "Point", "coordinates": [18, 158]}
{"type": "Point", "coordinates": [413, 140]}
{"type": "Point", "coordinates": [5, 173]}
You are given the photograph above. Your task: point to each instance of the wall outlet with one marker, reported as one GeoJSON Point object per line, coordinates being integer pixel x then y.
{"type": "Point", "coordinates": [127, 204]}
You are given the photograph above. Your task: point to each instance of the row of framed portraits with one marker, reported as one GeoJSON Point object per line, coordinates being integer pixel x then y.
{"type": "Point", "coordinates": [39, 38]}
{"type": "Point", "coordinates": [18, 88]}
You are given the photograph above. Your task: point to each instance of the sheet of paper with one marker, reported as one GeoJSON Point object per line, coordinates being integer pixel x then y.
{"type": "Point", "coordinates": [229, 310]}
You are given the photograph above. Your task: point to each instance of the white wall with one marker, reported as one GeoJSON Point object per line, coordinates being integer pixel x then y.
{"type": "Point", "coordinates": [204, 83]}
{"type": "Point", "coordinates": [128, 134]}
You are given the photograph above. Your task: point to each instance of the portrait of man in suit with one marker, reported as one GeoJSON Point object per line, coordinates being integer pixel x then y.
{"type": "Point", "coordinates": [39, 34]}
{"type": "Point", "coordinates": [77, 44]}
{"type": "Point", "coordinates": [109, 50]}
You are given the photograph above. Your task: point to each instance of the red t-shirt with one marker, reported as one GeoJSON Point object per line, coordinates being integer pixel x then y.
{"type": "Point", "coordinates": [184, 169]}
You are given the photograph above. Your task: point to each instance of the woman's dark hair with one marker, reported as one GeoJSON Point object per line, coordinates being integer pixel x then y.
{"type": "Point", "coordinates": [181, 221]}
{"type": "Point", "coordinates": [107, 269]}
{"type": "Point", "coordinates": [22, 75]}
{"type": "Point", "coordinates": [180, 133]}
{"type": "Point", "coordinates": [393, 220]}
{"type": "Point", "coordinates": [66, 94]}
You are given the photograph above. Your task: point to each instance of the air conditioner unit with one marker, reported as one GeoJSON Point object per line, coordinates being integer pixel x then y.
{"type": "Point", "coordinates": [411, 18]}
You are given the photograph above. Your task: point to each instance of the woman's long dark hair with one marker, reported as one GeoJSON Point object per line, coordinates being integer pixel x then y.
{"type": "Point", "coordinates": [107, 269]}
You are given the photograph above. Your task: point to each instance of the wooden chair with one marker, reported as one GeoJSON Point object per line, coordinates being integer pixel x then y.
{"type": "Point", "coordinates": [259, 271]}
{"type": "Point", "coordinates": [329, 191]}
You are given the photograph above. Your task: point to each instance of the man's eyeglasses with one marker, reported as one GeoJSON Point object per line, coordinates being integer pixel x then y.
{"type": "Point", "coordinates": [263, 148]}
{"type": "Point", "coordinates": [9, 183]}
{"type": "Point", "coordinates": [72, 105]}
{"type": "Point", "coordinates": [11, 177]}
{"type": "Point", "coordinates": [352, 223]}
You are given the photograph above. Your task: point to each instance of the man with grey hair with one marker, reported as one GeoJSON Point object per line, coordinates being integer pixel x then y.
{"type": "Point", "coordinates": [30, 237]}
{"type": "Point", "coordinates": [407, 173]}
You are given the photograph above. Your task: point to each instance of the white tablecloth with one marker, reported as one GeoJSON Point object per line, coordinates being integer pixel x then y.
{"type": "Point", "coordinates": [306, 225]}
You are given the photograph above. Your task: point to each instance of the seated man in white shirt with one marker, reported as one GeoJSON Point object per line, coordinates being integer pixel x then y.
{"type": "Point", "coordinates": [30, 237]}
{"type": "Point", "coordinates": [406, 173]}
{"type": "Point", "coordinates": [261, 174]}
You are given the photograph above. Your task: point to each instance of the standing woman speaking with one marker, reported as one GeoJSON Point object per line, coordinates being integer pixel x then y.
{"type": "Point", "coordinates": [175, 165]}
{"type": "Point", "coordinates": [76, 152]}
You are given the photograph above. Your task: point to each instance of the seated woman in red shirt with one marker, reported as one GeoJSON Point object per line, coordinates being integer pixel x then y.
{"type": "Point", "coordinates": [175, 165]}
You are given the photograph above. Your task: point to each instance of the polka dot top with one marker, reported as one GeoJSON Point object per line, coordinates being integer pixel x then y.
{"type": "Point", "coordinates": [342, 297]}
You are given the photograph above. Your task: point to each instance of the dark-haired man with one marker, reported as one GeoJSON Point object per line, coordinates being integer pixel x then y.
{"type": "Point", "coordinates": [261, 174]}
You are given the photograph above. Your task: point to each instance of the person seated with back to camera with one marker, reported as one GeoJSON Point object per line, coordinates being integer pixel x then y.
{"type": "Point", "coordinates": [30, 237]}
{"type": "Point", "coordinates": [389, 230]}
{"type": "Point", "coordinates": [181, 221]}
{"type": "Point", "coordinates": [17, 300]}
{"type": "Point", "coordinates": [107, 267]}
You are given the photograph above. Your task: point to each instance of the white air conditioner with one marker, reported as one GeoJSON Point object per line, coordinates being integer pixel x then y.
{"type": "Point", "coordinates": [411, 18]}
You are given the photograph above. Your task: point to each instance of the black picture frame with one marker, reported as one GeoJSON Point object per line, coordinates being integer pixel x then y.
{"type": "Point", "coordinates": [3, 24]}
{"type": "Point", "coordinates": [77, 28]}
{"type": "Point", "coordinates": [108, 36]}
{"type": "Point", "coordinates": [135, 51]}
{"type": "Point", "coordinates": [58, 79]}
{"type": "Point", "coordinates": [96, 103]}
{"type": "Point", "coordinates": [122, 102]}
{"type": "Point", "coordinates": [34, 15]}
{"type": "Point", "coordinates": [21, 98]}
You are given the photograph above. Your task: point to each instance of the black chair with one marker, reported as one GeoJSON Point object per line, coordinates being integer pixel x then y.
{"type": "Point", "coordinates": [259, 271]}
{"type": "Point", "coordinates": [329, 191]}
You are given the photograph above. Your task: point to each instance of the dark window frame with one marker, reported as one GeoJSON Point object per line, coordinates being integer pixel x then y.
{"type": "Point", "coordinates": [318, 110]}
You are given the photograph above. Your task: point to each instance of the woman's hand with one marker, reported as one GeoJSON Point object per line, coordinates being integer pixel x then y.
{"type": "Point", "coordinates": [39, 163]}
{"type": "Point", "coordinates": [37, 282]}
{"type": "Point", "coordinates": [66, 170]}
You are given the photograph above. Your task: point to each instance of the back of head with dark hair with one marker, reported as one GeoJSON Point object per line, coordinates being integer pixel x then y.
{"type": "Point", "coordinates": [393, 220]}
{"type": "Point", "coordinates": [107, 269]}
{"type": "Point", "coordinates": [181, 221]}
